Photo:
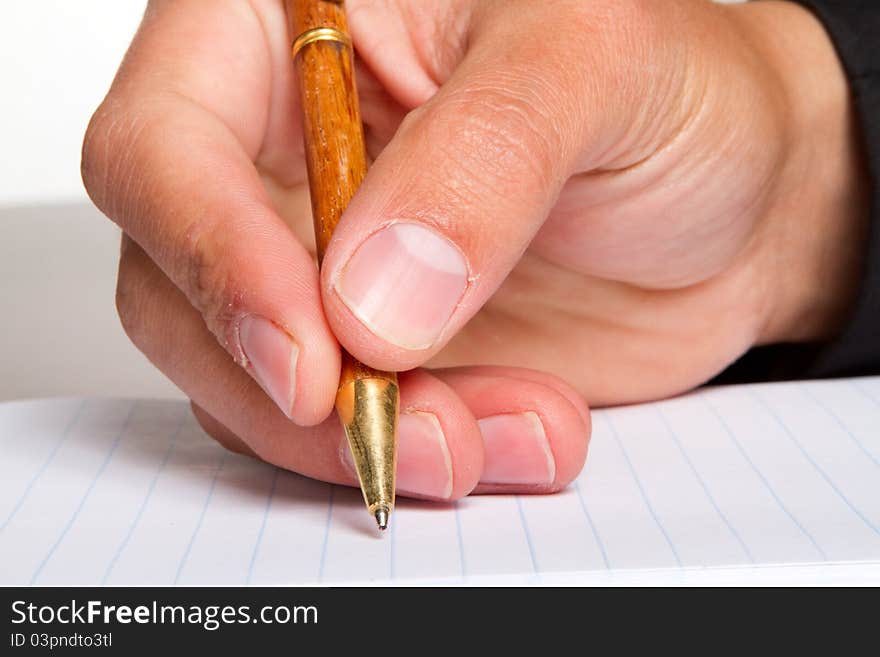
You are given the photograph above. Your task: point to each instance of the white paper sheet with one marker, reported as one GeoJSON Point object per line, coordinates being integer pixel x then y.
{"type": "Point", "coordinates": [770, 483]}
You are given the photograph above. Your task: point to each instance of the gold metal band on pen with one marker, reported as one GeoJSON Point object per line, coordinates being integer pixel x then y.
{"type": "Point", "coordinates": [319, 34]}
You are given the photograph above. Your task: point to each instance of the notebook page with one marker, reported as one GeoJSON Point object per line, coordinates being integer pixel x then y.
{"type": "Point", "coordinates": [763, 483]}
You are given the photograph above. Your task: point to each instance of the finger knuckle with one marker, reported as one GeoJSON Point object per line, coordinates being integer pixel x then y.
{"type": "Point", "coordinates": [113, 143]}
{"type": "Point", "coordinates": [498, 133]}
{"type": "Point", "coordinates": [117, 145]}
{"type": "Point", "coordinates": [95, 151]}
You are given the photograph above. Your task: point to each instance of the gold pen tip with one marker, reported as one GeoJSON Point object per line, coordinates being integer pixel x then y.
{"type": "Point", "coordinates": [382, 519]}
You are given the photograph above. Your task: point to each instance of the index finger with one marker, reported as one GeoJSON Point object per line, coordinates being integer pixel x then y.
{"type": "Point", "coordinates": [169, 156]}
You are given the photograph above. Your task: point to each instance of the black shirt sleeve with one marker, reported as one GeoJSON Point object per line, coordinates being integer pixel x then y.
{"type": "Point", "coordinates": [854, 26]}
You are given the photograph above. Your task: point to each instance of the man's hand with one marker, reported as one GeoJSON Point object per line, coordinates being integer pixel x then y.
{"type": "Point", "coordinates": [624, 194]}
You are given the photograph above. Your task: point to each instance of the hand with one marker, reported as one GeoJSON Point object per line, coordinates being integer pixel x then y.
{"type": "Point", "coordinates": [624, 194]}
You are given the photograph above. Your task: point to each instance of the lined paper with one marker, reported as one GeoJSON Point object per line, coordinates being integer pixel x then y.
{"type": "Point", "coordinates": [759, 483]}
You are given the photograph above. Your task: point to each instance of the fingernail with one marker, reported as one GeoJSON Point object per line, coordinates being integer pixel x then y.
{"type": "Point", "coordinates": [403, 283]}
{"type": "Point", "coordinates": [424, 466]}
{"type": "Point", "coordinates": [271, 355]}
{"type": "Point", "coordinates": [516, 450]}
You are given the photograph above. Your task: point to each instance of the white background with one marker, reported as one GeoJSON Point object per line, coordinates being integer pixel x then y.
{"type": "Point", "coordinates": [57, 59]}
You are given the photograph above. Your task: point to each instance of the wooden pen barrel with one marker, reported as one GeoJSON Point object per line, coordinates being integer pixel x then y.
{"type": "Point", "coordinates": [335, 153]}
{"type": "Point", "coordinates": [334, 135]}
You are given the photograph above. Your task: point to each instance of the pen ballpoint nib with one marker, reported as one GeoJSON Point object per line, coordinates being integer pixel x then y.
{"type": "Point", "coordinates": [382, 519]}
{"type": "Point", "coordinates": [368, 409]}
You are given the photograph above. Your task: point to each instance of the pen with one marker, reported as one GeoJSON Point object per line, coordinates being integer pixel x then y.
{"type": "Point", "coordinates": [367, 399]}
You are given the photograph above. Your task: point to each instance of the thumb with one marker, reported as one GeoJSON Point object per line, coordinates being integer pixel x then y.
{"type": "Point", "coordinates": [455, 198]}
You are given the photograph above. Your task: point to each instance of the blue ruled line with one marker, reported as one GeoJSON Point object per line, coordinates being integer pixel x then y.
{"type": "Point", "coordinates": [72, 519]}
{"type": "Point", "coordinates": [762, 478]}
{"type": "Point", "coordinates": [262, 530]}
{"type": "Point", "coordinates": [644, 495]}
{"type": "Point", "coordinates": [592, 526]}
{"type": "Point", "coordinates": [704, 485]}
{"type": "Point", "coordinates": [146, 500]}
{"type": "Point", "coordinates": [858, 386]}
{"type": "Point", "coordinates": [788, 432]}
{"type": "Point", "coordinates": [462, 563]}
{"type": "Point", "coordinates": [840, 423]}
{"type": "Point", "coordinates": [525, 526]}
{"type": "Point", "coordinates": [45, 465]}
{"type": "Point", "coordinates": [323, 562]}
{"type": "Point", "coordinates": [198, 527]}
